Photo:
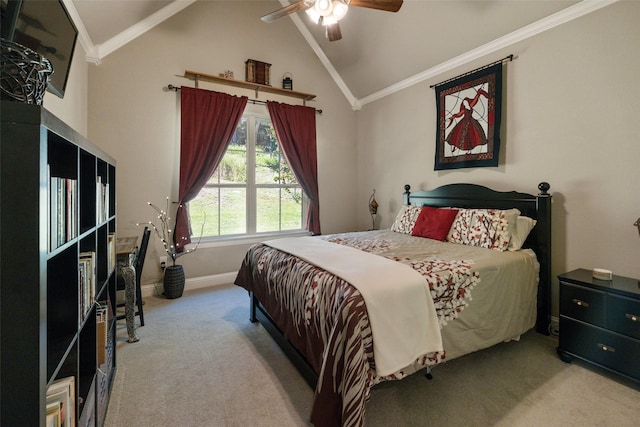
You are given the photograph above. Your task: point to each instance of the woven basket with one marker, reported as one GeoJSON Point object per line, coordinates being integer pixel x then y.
{"type": "Point", "coordinates": [173, 281]}
{"type": "Point", "coordinates": [24, 74]}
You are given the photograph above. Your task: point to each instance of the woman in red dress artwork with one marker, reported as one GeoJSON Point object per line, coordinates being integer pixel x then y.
{"type": "Point", "coordinates": [468, 132]}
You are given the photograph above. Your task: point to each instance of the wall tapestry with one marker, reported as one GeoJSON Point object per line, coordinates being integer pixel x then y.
{"type": "Point", "coordinates": [468, 130]}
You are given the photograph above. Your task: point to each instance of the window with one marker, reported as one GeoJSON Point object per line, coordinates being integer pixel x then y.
{"type": "Point", "coordinates": [252, 191]}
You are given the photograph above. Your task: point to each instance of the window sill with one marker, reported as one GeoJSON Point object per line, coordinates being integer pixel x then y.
{"type": "Point", "coordinates": [217, 242]}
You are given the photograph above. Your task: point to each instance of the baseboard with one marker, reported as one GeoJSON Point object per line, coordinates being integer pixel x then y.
{"type": "Point", "coordinates": [192, 283]}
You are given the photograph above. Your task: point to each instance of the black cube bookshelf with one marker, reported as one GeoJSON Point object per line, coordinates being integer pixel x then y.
{"type": "Point", "coordinates": [57, 279]}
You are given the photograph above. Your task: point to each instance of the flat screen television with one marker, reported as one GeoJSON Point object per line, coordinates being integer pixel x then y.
{"type": "Point", "coordinates": [45, 27]}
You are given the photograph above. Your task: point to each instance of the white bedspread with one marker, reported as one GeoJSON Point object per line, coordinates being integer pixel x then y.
{"type": "Point", "coordinates": [397, 298]}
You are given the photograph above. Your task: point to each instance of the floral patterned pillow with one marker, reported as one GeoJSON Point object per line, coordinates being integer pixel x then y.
{"type": "Point", "coordinates": [484, 228]}
{"type": "Point", "coordinates": [406, 219]}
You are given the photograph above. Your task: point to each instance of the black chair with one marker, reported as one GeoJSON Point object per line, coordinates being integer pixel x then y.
{"type": "Point", "coordinates": [139, 264]}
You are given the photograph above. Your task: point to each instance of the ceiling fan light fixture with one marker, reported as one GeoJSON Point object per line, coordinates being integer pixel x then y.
{"type": "Point", "coordinates": [329, 20]}
{"type": "Point", "coordinates": [313, 15]}
{"type": "Point", "coordinates": [328, 12]}
{"type": "Point", "coordinates": [340, 9]}
{"type": "Point", "coordinates": [323, 7]}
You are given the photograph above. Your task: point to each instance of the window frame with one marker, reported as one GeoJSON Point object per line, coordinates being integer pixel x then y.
{"type": "Point", "coordinates": [252, 235]}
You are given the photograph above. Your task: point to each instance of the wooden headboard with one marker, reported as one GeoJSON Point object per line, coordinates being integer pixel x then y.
{"type": "Point", "coordinates": [537, 207]}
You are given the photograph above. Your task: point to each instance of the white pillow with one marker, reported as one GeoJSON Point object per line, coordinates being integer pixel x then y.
{"type": "Point", "coordinates": [511, 215]}
{"type": "Point", "coordinates": [524, 225]}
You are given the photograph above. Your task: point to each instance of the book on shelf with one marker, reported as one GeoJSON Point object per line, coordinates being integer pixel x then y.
{"type": "Point", "coordinates": [63, 210]}
{"type": "Point", "coordinates": [111, 251]}
{"type": "Point", "coordinates": [102, 318]}
{"type": "Point", "coordinates": [102, 200]}
{"type": "Point", "coordinates": [86, 282]}
{"type": "Point", "coordinates": [61, 404]}
{"type": "Point", "coordinates": [54, 414]}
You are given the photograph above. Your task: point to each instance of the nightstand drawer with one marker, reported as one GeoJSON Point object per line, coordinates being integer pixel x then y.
{"type": "Point", "coordinates": [623, 315]}
{"type": "Point", "coordinates": [599, 346]}
{"type": "Point", "coordinates": [582, 304]}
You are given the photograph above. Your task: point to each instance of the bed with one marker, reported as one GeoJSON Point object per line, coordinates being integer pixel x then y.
{"type": "Point", "coordinates": [310, 295]}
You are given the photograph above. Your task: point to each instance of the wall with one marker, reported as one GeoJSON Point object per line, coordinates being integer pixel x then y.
{"type": "Point", "coordinates": [134, 118]}
{"type": "Point", "coordinates": [572, 101]}
{"type": "Point", "coordinates": [72, 109]}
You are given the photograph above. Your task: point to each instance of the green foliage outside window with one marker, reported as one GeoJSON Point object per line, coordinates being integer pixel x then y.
{"type": "Point", "coordinates": [277, 208]}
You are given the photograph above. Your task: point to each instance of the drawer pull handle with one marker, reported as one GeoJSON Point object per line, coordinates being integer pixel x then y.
{"type": "Point", "coordinates": [580, 303]}
{"type": "Point", "coordinates": [606, 348]}
{"type": "Point", "coordinates": [632, 317]}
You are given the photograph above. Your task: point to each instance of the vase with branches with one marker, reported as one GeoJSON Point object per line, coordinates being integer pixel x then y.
{"type": "Point", "coordinates": [165, 233]}
{"type": "Point", "coordinates": [174, 274]}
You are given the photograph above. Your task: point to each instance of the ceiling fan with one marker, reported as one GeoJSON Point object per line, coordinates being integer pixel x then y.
{"type": "Point", "coordinates": [329, 12]}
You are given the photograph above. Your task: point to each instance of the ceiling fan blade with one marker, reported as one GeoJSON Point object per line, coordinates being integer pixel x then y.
{"type": "Point", "coordinates": [386, 5]}
{"type": "Point", "coordinates": [287, 10]}
{"type": "Point", "coordinates": [333, 32]}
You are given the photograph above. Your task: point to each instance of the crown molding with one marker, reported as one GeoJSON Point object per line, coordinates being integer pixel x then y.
{"type": "Point", "coordinates": [142, 27]}
{"type": "Point", "coordinates": [552, 21]}
{"type": "Point", "coordinates": [83, 34]}
{"type": "Point", "coordinates": [95, 53]}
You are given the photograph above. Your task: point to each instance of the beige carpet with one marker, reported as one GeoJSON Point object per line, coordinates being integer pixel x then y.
{"type": "Point", "coordinates": [200, 362]}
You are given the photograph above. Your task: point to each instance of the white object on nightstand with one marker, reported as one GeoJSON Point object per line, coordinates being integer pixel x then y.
{"type": "Point", "coordinates": [602, 274]}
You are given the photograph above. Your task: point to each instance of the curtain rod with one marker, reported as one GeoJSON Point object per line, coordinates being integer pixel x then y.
{"type": "Point", "coordinates": [253, 101]}
{"type": "Point", "coordinates": [506, 58]}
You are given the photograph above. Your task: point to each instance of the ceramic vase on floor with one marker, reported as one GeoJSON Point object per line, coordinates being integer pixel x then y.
{"type": "Point", "coordinates": [173, 281]}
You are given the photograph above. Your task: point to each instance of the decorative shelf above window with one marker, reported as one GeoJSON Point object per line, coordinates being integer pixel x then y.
{"type": "Point", "coordinates": [196, 76]}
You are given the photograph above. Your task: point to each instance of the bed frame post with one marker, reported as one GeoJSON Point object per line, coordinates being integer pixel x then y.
{"type": "Point", "coordinates": [252, 307]}
{"type": "Point", "coordinates": [544, 258]}
{"type": "Point", "coordinates": [407, 192]}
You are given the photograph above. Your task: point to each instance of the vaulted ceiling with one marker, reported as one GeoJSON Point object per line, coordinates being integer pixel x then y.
{"type": "Point", "coordinates": [423, 38]}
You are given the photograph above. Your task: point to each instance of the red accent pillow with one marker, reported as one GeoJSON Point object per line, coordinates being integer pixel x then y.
{"type": "Point", "coordinates": [434, 223]}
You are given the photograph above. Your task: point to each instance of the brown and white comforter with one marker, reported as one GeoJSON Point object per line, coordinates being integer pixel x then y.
{"type": "Point", "coordinates": [326, 318]}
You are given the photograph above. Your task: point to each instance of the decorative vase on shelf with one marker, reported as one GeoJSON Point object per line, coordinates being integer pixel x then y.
{"type": "Point", "coordinates": [173, 281]}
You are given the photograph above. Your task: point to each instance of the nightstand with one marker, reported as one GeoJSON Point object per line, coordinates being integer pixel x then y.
{"type": "Point", "coordinates": [600, 322]}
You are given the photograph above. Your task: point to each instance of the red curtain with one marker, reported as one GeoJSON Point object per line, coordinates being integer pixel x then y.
{"type": "Point", "coordinates": [208, 121]}
{"type": "Point", "coordinates": [295, 127]}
